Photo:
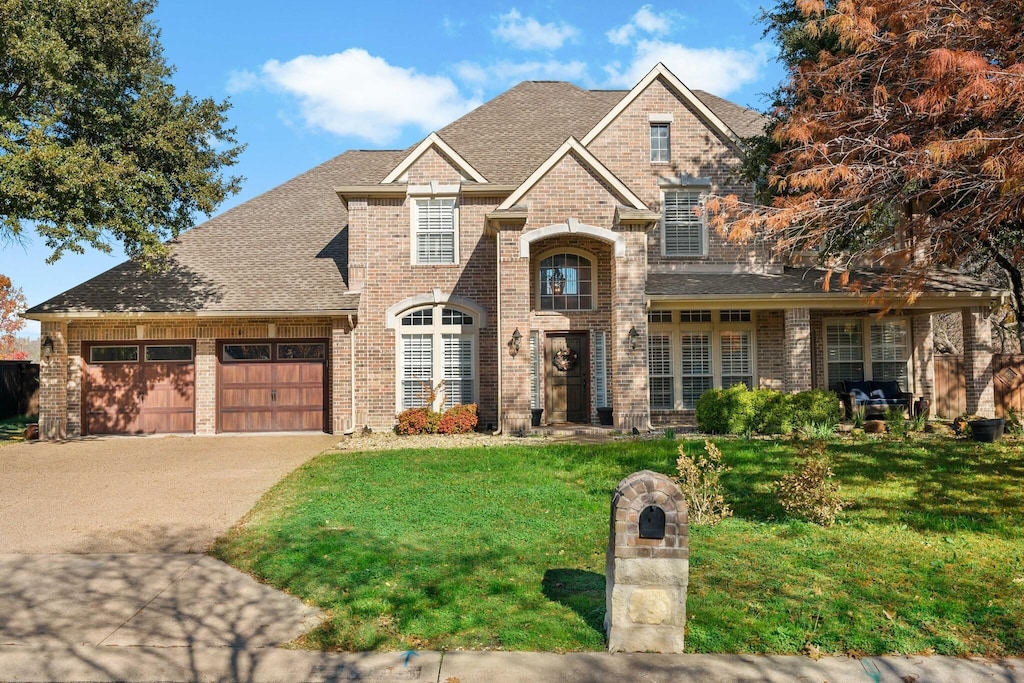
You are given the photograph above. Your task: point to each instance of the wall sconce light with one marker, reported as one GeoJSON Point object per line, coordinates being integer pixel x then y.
{"type": "Point", "coordinates": [46, 346]}
{"type": "Point", "coordinates": [513, 343]}
{"type": "Point", "coordinates": [633, 337]}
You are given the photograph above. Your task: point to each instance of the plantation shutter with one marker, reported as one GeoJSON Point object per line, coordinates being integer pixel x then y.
{"type": "Point", "coordinates": [417, 369]}
{"type": "Point", "coordinates": [844, 343]}
{"type": "Point", "coordinates": [695, 366]}
{"type": "Point", "coordinates": [600, 370]}
{"type": "Point", "coordinates": [659, 371]}
{"type": "Point", "coordinates": [737, 365]}
{"type": "Point", "coordinates": [534, 369]}
{"type": "Point", "coordinates": [684, 229]}
{"type": "Point", "coordinates": [458, 369]}
{"type": "Point", "coordinates": [435, 231]}
{"type": "Point", "coordinates": [890, 352]}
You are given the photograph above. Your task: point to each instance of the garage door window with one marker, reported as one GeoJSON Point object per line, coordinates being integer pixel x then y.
{"type": "Point", "coordinates": [300, 351]}
{"type": "Point", "coordinates": [246, 352]}
{"type": "Point", "coordinates": [169, 353]}
{"type": "Point", "coordinates": [114, 354]}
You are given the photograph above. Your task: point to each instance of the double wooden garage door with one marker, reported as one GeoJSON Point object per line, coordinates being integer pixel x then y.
{"type": "Point", "coordinates": [149, 387]}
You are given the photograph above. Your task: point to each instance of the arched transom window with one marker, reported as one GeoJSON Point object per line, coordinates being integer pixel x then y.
{"type": "Point", "coordinates": [437, 347]}
{"type": "Point", "coordinates": [566, 283]}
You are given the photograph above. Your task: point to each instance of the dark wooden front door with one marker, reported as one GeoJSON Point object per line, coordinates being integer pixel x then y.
{"type": "Point", "coordinates": [274, 390]}
{"type": "Point", "coordinates": [566, 398]}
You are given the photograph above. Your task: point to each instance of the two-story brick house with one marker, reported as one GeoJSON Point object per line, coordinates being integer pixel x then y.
{"type": "Point", "coordinates": [539, 253]}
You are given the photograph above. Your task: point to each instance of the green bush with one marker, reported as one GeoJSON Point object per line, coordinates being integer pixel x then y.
{"type": "Point", "coordinates": [771, 412]}
{"type": "Point", "coordinates": [724, 411]}
{"type": "Point", "coordinates": [818, 407]}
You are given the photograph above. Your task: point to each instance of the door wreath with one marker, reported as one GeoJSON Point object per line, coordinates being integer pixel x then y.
{"type": "Point", "coordinates": [566, 359]}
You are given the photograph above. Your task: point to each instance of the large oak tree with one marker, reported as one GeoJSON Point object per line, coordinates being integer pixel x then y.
{"type": "Point", "coordinates": [96, 145]}
{"type": "Point", "coordinates": [899, 140]}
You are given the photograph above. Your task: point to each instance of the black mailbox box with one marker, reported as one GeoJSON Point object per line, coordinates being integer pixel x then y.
{"type": "Point", "coordinates": [652, 522]}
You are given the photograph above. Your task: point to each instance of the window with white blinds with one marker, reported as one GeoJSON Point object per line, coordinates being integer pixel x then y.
{"type": "Point", "coordinates": [417, 369]}
{"type": "Point", "coordinates": [844, 351]}
{"type": "Point", "coordinates": [682, 227]}
{"type": "Point", "coordinates": [458, 369]}
{"type": "Point", "coordinates": [736, 358]}
{"type": "Point", "coordinates": [890, 352]}
{"type": "Point", "coordinates": [434, 225]}
{"type": "Point", "coordinates": [659, 370]}
{"type": "Point", "coordinates": [695, 366]}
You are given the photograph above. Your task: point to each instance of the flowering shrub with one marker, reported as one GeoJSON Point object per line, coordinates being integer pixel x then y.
{"type": "Point", "coordinates": [458, 419]}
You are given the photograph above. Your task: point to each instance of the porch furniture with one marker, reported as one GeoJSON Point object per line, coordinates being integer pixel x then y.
{"type": "Point", "coordinates": [875, 397]}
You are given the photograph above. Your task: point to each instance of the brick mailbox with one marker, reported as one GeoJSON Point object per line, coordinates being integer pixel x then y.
{"type": "Point", "coordinates": [647, 566]}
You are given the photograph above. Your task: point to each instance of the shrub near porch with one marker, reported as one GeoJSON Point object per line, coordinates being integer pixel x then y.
{"type": "Point", "coordinates": [504, 547]}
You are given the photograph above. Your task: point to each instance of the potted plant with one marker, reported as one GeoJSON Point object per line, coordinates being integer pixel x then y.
{"type": "Point", "coordinates": [987, 429]}
{"type": "Point", "coordinates": [535, 416]}
{"type": "Point", "coordinates": [604, 415]}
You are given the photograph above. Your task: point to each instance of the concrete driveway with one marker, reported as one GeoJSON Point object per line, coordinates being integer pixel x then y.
{"type": "Point", "coordinates": [138, 494]}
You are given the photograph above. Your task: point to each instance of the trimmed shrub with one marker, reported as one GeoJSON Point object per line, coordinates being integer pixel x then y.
{"type": "Point", "coordinates": [699, 479]}
{"type": "Point", "coordinates": [771, 412]}
{"type": "Point", "coordinates": [810, 493]}
{"type": "Point", "coordinates": [458, 419]}
{"type": "Point", "coordinates": [417, 421]}
{"type": "Point", "coordinates": [724, 411]}
{"type": "Point", "coordinates": [817, 407]}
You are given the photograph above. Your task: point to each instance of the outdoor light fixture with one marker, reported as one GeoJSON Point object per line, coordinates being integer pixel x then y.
{"type": "Point", "coordinates": [556, 281]}
{"type": "Point", "coordinates": [513, 343]}
{"type": "Point", "coordinates": [46, 346]}
{"type": "Point", "coordinates": [633, 336]}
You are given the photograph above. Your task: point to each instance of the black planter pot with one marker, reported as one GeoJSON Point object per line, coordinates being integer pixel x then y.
{"type": "Point", "coordinates": [535, 415]}
{"type": "Point", "coordinates": [604, 416]}
{"type": "Point", "coordinates": [987, 430]}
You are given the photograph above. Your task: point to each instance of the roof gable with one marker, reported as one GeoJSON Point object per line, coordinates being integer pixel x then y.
{"type": "Point", "coordinates": [710, 119]}
{"type": "Point", "coordinates": [434, 141]}
{"type": "Point", "coordinates": [573, 146]}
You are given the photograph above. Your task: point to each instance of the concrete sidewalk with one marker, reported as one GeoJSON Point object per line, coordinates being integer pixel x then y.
{"type": "Point", "coordinates": [200, 664]}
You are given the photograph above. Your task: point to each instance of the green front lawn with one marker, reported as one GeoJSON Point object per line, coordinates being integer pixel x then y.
{"type": "Point", "coordinates": [504, 547]}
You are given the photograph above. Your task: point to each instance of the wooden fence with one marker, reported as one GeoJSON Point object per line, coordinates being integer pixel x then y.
{"type": "Point", "coordinates": [950, 392]}
{"type": "Point", "coordinates": [19, 388]}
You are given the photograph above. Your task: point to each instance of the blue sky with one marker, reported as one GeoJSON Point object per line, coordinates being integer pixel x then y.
{"type": "Point", "coordinates": [311, 79]}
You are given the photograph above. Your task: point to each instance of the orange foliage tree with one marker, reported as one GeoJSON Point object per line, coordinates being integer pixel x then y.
{"type": "Point", "coordinates": [900, 142]}
{"type": "Point", "coordinates": [12, 303]}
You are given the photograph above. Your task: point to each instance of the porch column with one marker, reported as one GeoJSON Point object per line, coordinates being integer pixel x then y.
{"type": "Point", "coordinates": [797, 359]}
{"type": "Point", "coordinates": [53, 383]}
{"type": "Point", "coordinates": [980, 393]}
{"type": "Point", "coordinates": [341, 376]}
{"type": "Point", "coordinates": [514, 308]}
{"type": "Point", "coordinates": [630, 394]}
{"type": "Point", "coordinates": [206, 386]}
{"type": "Point", "coordinates": [924, 356]}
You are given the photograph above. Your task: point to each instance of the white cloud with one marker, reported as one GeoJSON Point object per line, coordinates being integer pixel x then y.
{"type": "Point", "coordinates": [355, 93]}
{"type": "Point", "coordinates": [507, 73]}
{"type": "Point", "coordinates": [526, 33]}
{"type": "Point", "coordinates": [718, 70]}
{"type": "Point", "coordinates": [644, 20]}
{"type": "Point", "coordinates": [241, 81]}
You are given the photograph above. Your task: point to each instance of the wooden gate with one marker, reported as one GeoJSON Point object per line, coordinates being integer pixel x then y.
{"type": "Point", "coordinates": [950, 387]}
{"type": "Point", "coordinates": [1008, 379]}
{"type": "Point", "coordinates": [950, 390]}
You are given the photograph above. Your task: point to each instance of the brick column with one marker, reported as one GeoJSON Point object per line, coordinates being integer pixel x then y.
{"type": "Point", "coordinates": [514, 307]}
{"type": "Point", "coordinates": [206, 386]}
{"type": "Point", "coordinates": [924, 356]}
{"type": "Point", "coordinates": [340, 387]}
{"type": "Point", "coordinates": [978, 362]}
{"type": "Point", "coordinates": [53, 383]}
{"type": "Point", "coordinates": [74, 383]}
{"type": "Point", "coordinates": [630, 394]}
{"type": "Point", "coordinates": [797, 323]}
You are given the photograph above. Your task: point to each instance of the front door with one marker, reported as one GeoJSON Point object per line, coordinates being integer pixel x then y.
{"type": "Point", "coordinates": [567, 359]}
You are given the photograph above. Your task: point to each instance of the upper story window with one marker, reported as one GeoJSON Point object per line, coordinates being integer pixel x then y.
{"type": "Point", "coordinates": [435, 231]}
{"type": "Point", "coordinates": [566, 283]}
{"type": "Point", "coordinates": [660, 143]}
{"type": "Point", "coordinates": [683, 231]}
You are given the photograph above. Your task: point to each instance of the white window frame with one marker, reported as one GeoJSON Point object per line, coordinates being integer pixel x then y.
{"type": "Point", "coordinates": [593, 279]}
{"type": "Point", "coordinates": [414, 229]}
{"type": "Point", "coordinates": [865, 329]}
{"type": "Point", "coordinates": [659, 125]}
{"type": "Point", "coordinates": [714, 329]}
{"type": "Point", "coordinates": [701, 191]}
{"type": "Point", "coordinates": [437, 331]}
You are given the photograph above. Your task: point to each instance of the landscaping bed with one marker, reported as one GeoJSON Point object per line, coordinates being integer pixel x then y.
{"type": "Point", "coordinates": [504, 547]}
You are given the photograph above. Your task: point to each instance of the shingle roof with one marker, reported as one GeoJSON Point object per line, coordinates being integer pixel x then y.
{"type": "Point", "coordinates": [795, 281]}
{"type": "Point", "coordinates": [285, 250]}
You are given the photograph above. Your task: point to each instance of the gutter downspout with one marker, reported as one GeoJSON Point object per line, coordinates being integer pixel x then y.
{"type": "Point", "coordinates": [352, 374]}
{"type": "Point", "coordinates": [497, 325]}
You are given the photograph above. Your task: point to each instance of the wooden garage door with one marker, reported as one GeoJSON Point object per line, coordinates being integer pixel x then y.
{"type": "Point", "coordinates": [141, 388]}
{"type": "Point", "coordinates": [272, 386]}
